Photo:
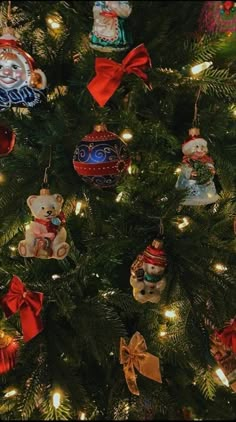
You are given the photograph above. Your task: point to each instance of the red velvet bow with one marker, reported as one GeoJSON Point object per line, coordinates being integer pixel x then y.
{"type": "Point", "coordinates": [109, 73]}
{"type": "Point", "coordinates": [29, 304]}
{"type": "Point", "coordinates": [228, 336]}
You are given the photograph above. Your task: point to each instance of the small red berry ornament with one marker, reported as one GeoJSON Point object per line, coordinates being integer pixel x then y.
{"type": "Point", "coordinates": [8, 350]}
{"type": "Point", "coordinates": [7, 140]}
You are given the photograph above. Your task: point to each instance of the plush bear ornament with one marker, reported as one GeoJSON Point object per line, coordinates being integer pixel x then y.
{"type": "Point", "coordinates": [147, 273]}
{"type": "Point", "coordinates": [46, 237]}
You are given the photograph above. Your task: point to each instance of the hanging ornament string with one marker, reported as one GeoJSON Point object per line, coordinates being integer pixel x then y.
{"type": "Point", "coordinates": [9, 16]}
{"type": "Point", "coordinates": [196, 116]}
{"type": "Point", "coordinates": [161, 227]}
{"type": "Point", "coordinates": [45, 184]}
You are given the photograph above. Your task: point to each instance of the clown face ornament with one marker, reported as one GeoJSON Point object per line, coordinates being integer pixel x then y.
{"type": "Point", "coordinates": [21, 85]}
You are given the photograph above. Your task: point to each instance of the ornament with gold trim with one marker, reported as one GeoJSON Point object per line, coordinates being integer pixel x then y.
{"type": "Point", "coordinates": [101, 158]}
{"type": "Point", "coordinates": [8, 352]}
{"type": "Point", "coordinates": [21, 83]}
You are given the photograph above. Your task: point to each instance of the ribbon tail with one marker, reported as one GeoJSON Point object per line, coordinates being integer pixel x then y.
{"type": "Point", "coordinates": [130, 378]}
{"type": "Point", "coordinates": [149, 366]}
{"type": "Point", "coordinates": [102, 88]}
{"type": "Point", "coordinates": [31, 324]}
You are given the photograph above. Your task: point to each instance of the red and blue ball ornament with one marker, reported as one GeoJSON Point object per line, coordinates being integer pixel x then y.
{"type": "Point", "coordinates": [21, 84]}
{"type": "Point", "coordinates": [7, 140]}
{"type": "Point", "coordinates": [101, 158]}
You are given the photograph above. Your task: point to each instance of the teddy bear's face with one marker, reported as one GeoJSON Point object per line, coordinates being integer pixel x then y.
{"type": "Point", "coordinates": [45, 207]}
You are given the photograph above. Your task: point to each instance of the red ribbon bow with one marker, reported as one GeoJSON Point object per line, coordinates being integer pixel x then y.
{"type": "Point", "coordinates": [29, 304]}
{"type": "Point", "coordinates": [228, 335]}
{"type": "Point", "coordinates": [109, 73]}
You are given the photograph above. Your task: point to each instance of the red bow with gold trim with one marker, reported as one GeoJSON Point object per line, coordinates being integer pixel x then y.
{"type": "Point", "coordinates": [29, 305]}
{"type": "Point", "coordinates": [109, 73]}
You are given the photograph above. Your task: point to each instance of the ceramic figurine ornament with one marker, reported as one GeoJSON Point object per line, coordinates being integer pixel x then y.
{"type": "Point", "coordinates": [197, 171]}
{"type": "Point", "coordinates": [21, 84]}
{"type": "Point", "coordinates": [46, 236]}
{"type": "Point", "coordinates": [108, 33]}
{"type": "Point", "coordinates": [148, 273]}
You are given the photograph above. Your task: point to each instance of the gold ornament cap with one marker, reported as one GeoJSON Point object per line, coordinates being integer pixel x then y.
{"type": "Point", "coordinates": [5, 340]}
{"type": "Point", "coordinates": [100, 128]}
{"type": "Point", "coordinates": [194, 131]}
{"type": "Point", "coordinates": [44, 191]}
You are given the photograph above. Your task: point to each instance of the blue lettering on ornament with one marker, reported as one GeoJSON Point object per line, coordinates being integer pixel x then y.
{"type": "Point", "coordinates": [25, 96]}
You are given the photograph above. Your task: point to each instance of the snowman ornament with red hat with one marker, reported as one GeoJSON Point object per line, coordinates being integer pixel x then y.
{"type": "Point", "coordinates": [147, 273]}
{"type": "Point", "coordinates": [197, 171]}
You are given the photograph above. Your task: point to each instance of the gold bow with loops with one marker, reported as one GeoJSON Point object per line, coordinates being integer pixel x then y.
{"type": "Point", "coordinates": [134, 356]}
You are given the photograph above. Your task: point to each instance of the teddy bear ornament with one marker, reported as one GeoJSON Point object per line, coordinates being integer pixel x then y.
{"type": "Point", "coordinates": [148, 273]}
{"type": "Point", "coordinates": [46, 236]}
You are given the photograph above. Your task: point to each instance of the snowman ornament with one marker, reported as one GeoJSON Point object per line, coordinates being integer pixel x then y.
{"type": "Point", "coordinates": [21, 84]}
{"type": "Point", "coordinates": [197, 171]}
{"type": "Point", "coordinates": [148, 273]}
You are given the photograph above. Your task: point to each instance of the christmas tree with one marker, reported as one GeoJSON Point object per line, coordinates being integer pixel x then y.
{"type": "Point", "coordinates": [117, 207]}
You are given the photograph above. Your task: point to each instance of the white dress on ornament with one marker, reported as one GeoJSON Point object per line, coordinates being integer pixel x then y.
{"type": "Point", "coordinates": [108, 33]}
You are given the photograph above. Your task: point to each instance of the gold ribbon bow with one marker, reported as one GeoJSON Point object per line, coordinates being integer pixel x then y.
{"type": "Point", "coordinates": [134, 356]}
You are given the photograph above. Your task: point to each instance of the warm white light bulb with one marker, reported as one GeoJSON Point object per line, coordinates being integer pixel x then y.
{"type": "Point", "coordinates": [12, 248]}
{"type": "Point", "coordinates": [27, 226]}
{"type": "Point", "coordinates": [126, 135]}
{"type": "Point", "coordinates": [222, 377]}
{"type": "Point", "coordinates": [55, 25]}
{"type": "Point", "coordinates": [178, 170]}
{"type": "Point", "coordinates": [56, 400]}
{"type": "Point", "coordinates": [200, 67]}
{"type": "Point", "coordinates": [220, 268]}
{"type": "Point", "coordinates": [82, 416]}
{"type": "Point", "coordinates": [55, 276]}
{"type": "Point", "coordinates": [162, 333]}
{"type": "Point", "coordinates": [10, 393]}
{"type": "Point", "coordinates": [78, 207]}
{"type": "Point", "coordinates": [170, 313]}
{"type": "Point", "coordinates": [119, 197]}
{"type": "Point", "coordinates": [184, 224]}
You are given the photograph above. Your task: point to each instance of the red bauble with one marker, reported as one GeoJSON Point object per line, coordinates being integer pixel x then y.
{"type": "Point", "coordinates": [101, 158]}
{"type": "Point", "coordinates": [7, 140]}
{"type": "Point", "coordinates": [8, 350]}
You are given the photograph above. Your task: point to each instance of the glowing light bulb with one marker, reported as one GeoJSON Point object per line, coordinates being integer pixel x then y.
{"type": "Point", "coordinates": [119, 197]}
{"type": "Point", "coordinates": [56, 400]}
{"type": "Point", "coordinates": [126, 134]}
{"type": "Point", "coordinates": [178, 170]}
{"type": "Point", "coordinates": [82, 416]}
{"type": "Point", "coordinates": [12, 248]}
{"type": "Point", "coordinates": [10, 393]}
{"type": "Point", "coordinates": [55, 276]}
{"type": "Point", "coordinates": [200, 67]}
{"type": "Point", "coordinates": [78, 207]}
{"type": "Point", "coordinates": [220, 268]}
{"type": "Point", "coordinates": [170, 313]}
{"type": "Point", "coordinates": [27, 226]}
{"type": "Point", "coordinates": [184, 223]}
{"type": "Point", "coordinates": [162, 333]}
{"type": "Point", "coordinates": [222, 377]}
{"type": "Point", "coordinates": [2, 178]}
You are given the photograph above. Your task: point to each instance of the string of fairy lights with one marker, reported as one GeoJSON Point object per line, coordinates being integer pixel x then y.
{"type": "Point", "coordinates": [55, 25]}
